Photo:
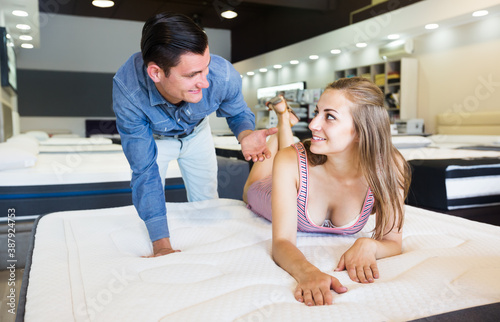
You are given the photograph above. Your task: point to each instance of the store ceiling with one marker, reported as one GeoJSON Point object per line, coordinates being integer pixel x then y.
{"type": "Point", "coordinates": [205, 12]}
{"type": "Point", "coordinates": [251, 14]}
{"type": "Point", "coordinates": [261, 25]}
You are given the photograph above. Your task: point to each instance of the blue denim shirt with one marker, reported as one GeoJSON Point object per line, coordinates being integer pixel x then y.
{"type": "Point", "coordinates": [141, 111]}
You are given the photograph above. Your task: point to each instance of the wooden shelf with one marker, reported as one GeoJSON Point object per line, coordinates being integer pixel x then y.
{"type": "Point", "coordinates": [405, 88]}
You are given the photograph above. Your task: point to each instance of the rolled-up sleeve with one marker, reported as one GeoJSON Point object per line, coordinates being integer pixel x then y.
{"type": "Point", "coordinates": [141, 152]}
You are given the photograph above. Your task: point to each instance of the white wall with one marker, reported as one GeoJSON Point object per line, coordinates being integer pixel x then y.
{"type": "Point", "coordinates": [79, 44]}
{"type": "Point", "coordinates": [459, 70]}
{"type": "Point", "coordinates": [454, 61]}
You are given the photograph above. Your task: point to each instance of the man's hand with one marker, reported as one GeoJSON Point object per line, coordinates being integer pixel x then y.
{"type": "Point", "coordinates": [253, 144]}
{"type": "Point", "coordinates": [162, 247]}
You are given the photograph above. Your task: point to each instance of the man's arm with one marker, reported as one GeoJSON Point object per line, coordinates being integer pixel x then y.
{"type": "Point", "coordinates": [162, 247]}
{"type": "Point", "coordinates": [140, 149]}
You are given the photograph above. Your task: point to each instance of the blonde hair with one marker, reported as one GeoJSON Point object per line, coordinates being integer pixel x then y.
{"type": "Point", "coordinates": [382, 165]}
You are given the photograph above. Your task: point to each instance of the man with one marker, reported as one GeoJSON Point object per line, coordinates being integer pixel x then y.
{"type": "Point", "coordinates": [162, 98]}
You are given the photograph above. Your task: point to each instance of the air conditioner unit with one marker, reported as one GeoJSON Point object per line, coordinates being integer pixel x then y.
{"type": "Point", "coordinates": [396, 49]}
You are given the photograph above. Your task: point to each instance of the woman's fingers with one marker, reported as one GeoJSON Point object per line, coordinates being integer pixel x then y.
{"type": "Point", "coordinates": [320, 295]}
{"type": "Point", "coordinates": [363, 274]}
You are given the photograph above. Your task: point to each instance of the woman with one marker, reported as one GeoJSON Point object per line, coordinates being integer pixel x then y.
{"type": "Point", "coordinates": [332, 183]}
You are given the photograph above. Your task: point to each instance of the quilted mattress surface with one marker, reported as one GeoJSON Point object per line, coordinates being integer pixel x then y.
{"type": "Point", "coordinates": [86, 266]}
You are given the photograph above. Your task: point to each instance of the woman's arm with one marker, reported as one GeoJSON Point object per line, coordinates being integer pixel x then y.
{"type": "Point", "coordinates": [360, 260]}
{"type": "Point", "coordinates": [313, 285]}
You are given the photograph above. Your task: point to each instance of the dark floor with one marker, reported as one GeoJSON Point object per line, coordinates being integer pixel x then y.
{"type": "Point", "coordinates": [7, 280]}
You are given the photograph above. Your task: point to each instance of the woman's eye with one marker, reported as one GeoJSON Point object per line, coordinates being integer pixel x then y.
{"type": "Point", "coordinates": [315, 113]}
{"type": "Point", "coordinates": [331, 117]}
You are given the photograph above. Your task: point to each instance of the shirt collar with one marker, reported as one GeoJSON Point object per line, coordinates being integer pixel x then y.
{"type": "Point", "coordinates": [155, 97]}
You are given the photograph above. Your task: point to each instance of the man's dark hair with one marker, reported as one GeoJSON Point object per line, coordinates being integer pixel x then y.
{"type": "Point", "coordinates": [167, 36]}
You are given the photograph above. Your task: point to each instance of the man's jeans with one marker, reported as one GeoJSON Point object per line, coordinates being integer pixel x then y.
{"type": "Point", "coordinates": [197, 161]}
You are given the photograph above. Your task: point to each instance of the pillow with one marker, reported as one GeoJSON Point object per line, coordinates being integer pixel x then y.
{"type": "Point", "coordinates": [14, 157]}
{"type": "Point", "coordinates": [25, 142]}
{"type": "Point", "coordinates": [405, 142]}
{"type": "Point", "coordinates": [39, 135]}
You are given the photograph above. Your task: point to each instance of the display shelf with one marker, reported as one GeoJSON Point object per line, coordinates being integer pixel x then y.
{"type": "Point", "coordinates": [398, 79]}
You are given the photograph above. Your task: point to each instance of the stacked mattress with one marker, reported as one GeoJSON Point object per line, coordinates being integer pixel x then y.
{"type": "Point", "coordinates": [455, 183]}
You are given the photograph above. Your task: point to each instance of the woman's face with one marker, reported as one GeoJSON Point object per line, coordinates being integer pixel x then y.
{"type": "Point", "coordinates": [332, 127]}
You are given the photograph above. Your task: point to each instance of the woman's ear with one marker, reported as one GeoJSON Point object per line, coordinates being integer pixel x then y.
{"type": "Point", "coordinates": [154, 72]}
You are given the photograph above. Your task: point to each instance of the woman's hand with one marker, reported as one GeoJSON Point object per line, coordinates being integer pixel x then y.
{"type": "Point", "coordinates": [360, 261]}
{"type": "Point", "coordinates": [314, 288]}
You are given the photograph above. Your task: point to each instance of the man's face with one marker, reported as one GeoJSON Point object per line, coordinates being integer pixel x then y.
{"type": "Point", "coordinates": [186, 80]}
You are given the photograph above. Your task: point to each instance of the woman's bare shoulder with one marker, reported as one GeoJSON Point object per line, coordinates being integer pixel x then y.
{"type": "Point", "coordinates": [288, 154]}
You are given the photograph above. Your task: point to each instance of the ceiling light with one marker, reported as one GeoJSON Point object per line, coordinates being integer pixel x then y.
{"type": "Point", "coordinates": [250, 73]}
{"type": "Point", "coordinates": [25, 37]}
{"type": "Point", "coordinates": [20, 13]}
{"type": "Point", "coordinates": [103, 3]}
{"type": "Point", "coordinates": [277, 66]}
{"type": "Point", "coordinates": [480, 13]}
{"type": "Point", "coordinates": [432, 26]}
{"type": "Point", "coordinates": [336, 51]}
{"type": "Point", "coordinates": [263, 70]}
{"type": "Point", "coordinates": [23, 26]}
{"type": "Point", "coordinates": [313, 57]}
{"type": "Point", "coordinates": [361, 44]}
{"type": "Point", "coordinates": [294, 62]}
{"type": "Point", "coordinates": [229, 14]}
{"type": "Point", "coordinates": [27, 46]}
{"type": "Point", "coordinates": [393, 37]}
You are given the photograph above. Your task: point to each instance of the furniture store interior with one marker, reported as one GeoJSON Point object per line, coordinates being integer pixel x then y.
{"type": "Point", "coordinates": [78, 172]}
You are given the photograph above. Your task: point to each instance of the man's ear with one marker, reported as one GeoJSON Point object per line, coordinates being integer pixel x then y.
{"type": "Point", "coordinates": [154, 72]}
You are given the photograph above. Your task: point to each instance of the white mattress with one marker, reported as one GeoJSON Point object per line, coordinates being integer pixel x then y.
{"type": "Point", "coordinates": [88, 264]}
{"type": "Point", "coordinates": [80, 148]}
{"type": "Point", "coordinates": [427, 153]}
{"type": "Point", "coordinates": [460, 141]}
{"type": "Point", "coordinates": [75, 168]}
{"type": "Point", "coordinates": [76, 141]}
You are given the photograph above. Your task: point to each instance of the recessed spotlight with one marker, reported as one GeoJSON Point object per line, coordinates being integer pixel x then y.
{"type": "Point", "coordinates": [431, 26]}
{"type": "Point", "coordinates": [263, 70]}
{"type": "Point", "coordinates": [335, 51]}
{"type": "Point", "coordinates": [313, 57]}
{"type": "Point", "coordinates": [361, 44]}
{"type": "Point", "coordinates": [103, 3]}
{"type": "Point", "coordinates": [25, 37]}
{"type": "Point", "coordinates": [23, 26]}
{"type": "Point", "coordinates": [229, 14]}
{"type": "Point", "coordinates": [277, 66]}
{"type": "Point", "coordinates": [480, 13]}
{"type": "Point", "coordinates": [393, 37]}
{"type": "Point", "coordinates": [294, 62]}
{"type": "Point", "coordinates": [20, 13]}
{"type": "Point", "coordinates": [250, 73]}
{"type": "Point", "coordinates": [27, 46]}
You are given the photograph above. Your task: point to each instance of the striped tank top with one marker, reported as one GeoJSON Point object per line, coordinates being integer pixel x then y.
{"type": "Point", "coordinates": [304, 223]}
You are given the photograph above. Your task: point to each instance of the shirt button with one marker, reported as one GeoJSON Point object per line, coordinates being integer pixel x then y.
{"type": "Point", "coordinates": [178, 120]}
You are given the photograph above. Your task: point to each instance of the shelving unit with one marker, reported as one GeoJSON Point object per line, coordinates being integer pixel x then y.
{"type": "Point", "coordinates": [8, 104]}
{"type": "Point", "coordinates": [398, 79]}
